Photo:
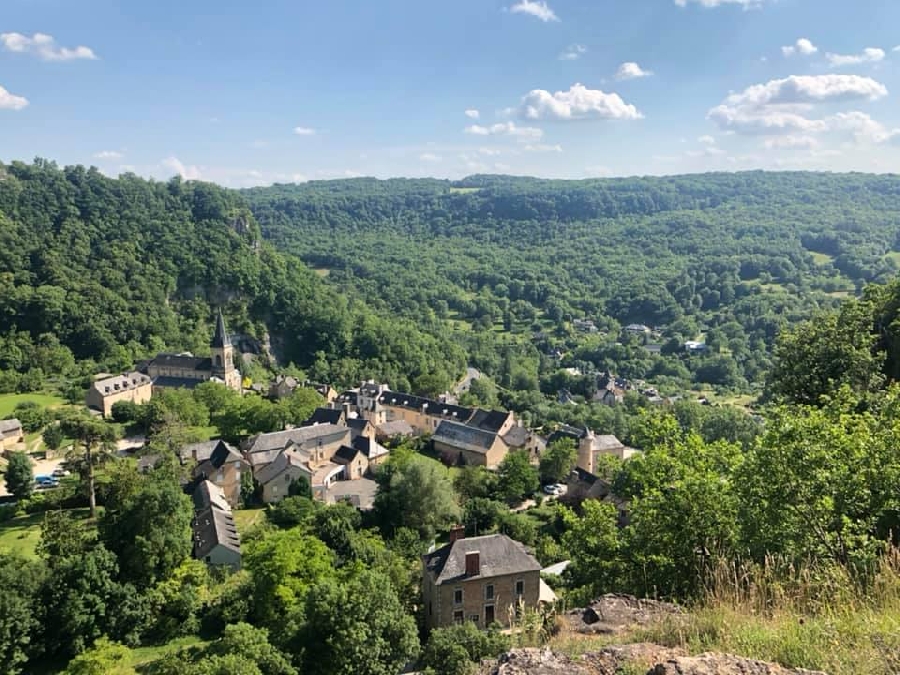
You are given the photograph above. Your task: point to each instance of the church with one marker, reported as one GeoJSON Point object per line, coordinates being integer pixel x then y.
{"type": "Point", "coordinates": [185, 370]}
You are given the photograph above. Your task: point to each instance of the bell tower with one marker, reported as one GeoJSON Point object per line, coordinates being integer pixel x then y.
{"type": "Point", "coordinates": [222, 356]}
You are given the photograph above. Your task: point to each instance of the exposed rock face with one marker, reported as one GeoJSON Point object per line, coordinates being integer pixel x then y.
{"type": "Point", "coordinates": [610, 661]}
{"type": "Point", "coordinates": [613, 613]}
{"type": "Point", "coordinates": [723, 664]}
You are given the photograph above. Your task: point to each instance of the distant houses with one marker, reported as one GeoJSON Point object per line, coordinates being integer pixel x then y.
{"type": "Point", "coordinates": [105, 392]}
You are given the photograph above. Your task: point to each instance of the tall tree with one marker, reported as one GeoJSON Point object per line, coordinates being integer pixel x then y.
{"type": "Point", "coordinates": [19, 475]}
{"type": "Point", "coordinates": [516, 477]}
{"type": "Point", "coordinates": [96, 438]}
{"type": "Point", "coordinates": [558, 460]}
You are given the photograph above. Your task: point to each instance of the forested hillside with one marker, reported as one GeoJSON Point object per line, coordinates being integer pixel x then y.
{"type": "Point", "coordinates": [110, 270]}
{"type": "Point", "coordinates": [722, 258]}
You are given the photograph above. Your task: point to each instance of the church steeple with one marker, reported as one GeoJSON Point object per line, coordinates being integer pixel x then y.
{"type": "Point", "coordinates": [220, 338]}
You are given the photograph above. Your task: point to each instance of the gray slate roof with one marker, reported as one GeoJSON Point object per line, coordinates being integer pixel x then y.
{"type": "Point", "coordinates": [277, 440]}
{"type": "Point", "coordinates": [499, 555]}
{"type": "Point", "coordinates": [213, 527]}
{"type": "Point", "coordinates": [10, 426]}
{"type": "Point", "coordinates": [182, 361]}
{"type": "Point", "coordinates": [488, 420]}
{"type": "Point", "coordinates": [324, 416]}
{"type": "Point", "coordinates": [208, 494]}
{"type": "Point", "coordinates": [216, 451]}
{"type": "Point", "coordinates": [464, 436]}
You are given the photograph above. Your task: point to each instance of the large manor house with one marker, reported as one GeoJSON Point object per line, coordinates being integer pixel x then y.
{"type": "Point", "coordinates": [169, 371]}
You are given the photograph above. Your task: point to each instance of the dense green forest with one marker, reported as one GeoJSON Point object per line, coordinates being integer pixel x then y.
{"type": "Point", "coordinates": [103, 270]}
{"type": "Point", "coordinates": [507, 264]}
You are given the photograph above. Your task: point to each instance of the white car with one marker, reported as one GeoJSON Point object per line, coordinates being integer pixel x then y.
{"type": "Point", "coordinates": [60, 472]}
{"type": "Point", "coordinates": [555, 490]}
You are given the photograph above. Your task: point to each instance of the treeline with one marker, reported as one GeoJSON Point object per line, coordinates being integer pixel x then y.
{"type": "Point", "coordinates": [104, 271]}
{"type": "Point", "coordinates": [729, 258]}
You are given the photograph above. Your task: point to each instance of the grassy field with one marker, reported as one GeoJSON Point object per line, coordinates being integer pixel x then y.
{"type": "Point", "coordinates": [8, 402]}
{"type": "Point", "coordinates": [20, 535]}
{"type": "Point", "coordinates": [821, 258]}
{"type": "Point", "coordinates": [141, 656]}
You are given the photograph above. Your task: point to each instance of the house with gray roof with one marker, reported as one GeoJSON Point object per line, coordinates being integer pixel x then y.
{"type": "Point", "coordinates": [461, 444]}
{"type": "Point", "coordinates": [215, 538]}
{"type": "Point", "coordinates": [11, 434]}
{"type": "Point", "coordinates": [319, 441]}
{"type": "Point", "coordinates": [480, 579]}
{"type": "Point", "coordinates": [219, 462]}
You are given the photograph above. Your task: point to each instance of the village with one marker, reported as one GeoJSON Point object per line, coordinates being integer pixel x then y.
{"type": "Point", "coordinates": [333, 456]}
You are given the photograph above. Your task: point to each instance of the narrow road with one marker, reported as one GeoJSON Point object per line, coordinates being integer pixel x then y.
{"type": "Point", "coordinates": [463, 385]}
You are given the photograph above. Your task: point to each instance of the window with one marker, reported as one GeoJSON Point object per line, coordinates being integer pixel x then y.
{"type": "Point", "coordinates": [520, 588]}
{"type": "Point", "coordinates": [458, 616]}
{"type": "Point", "coordinates": [474, 618]}
{"type": "Point", "coordinates": [287, 478]}
{"type": "Point", "coordinates": [489, 592]}
{"type": "Point", "coordinates": [457, 596]}
{"type": "Point", "coordinates": [488, 615]}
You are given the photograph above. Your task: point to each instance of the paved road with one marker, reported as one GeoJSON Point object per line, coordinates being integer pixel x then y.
{"type": "Point", "coordinates": [463, 385]}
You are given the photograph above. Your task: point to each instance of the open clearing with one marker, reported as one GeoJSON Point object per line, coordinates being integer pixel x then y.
{"type": "Point", "coordinates": [8, 402]}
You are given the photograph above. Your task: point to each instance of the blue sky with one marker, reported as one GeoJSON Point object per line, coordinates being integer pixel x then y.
{"type": "Point", "coordinates": [249, 93]}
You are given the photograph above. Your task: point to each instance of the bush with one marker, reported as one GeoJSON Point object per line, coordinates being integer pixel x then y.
{"type": "Point", "coordinates": [455, 650]}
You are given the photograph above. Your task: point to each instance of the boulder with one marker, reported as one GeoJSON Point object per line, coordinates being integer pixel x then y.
{"type": "Point", "coordinates": [723, 664]}
{"type": "Point", "coordinates": [616, 613]}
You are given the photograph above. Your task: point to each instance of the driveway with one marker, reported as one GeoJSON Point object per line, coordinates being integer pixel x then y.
{"type": "Point", "coordinates": [463, 385]}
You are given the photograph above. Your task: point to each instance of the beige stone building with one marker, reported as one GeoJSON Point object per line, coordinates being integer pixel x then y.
{"type": "Point", "coordinates": [11, 435]}
{"type": "Point", "coordinates": [482, 579]}
{"type": "Point", "coordinates": [107, 391]}
{"type": "Point", "coordinates": [218, 462]}
{"type": "Point", "coordinates": [187, 370]}
{"type": "Point", "coordinates": [460, 444]}
{"type": "Point", "coordinates": [320, 441]}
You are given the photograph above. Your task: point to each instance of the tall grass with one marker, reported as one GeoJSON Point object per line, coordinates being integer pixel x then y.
{"type": "Point", "coordinates": [815, 616]}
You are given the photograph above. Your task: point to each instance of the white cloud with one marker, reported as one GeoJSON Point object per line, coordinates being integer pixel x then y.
{"type": "Point", "coordinates": [868, 55]}
{"type": "Point", "coordinates": [44, 47]}
{"type": "Point", "coordinates": [108, 154]}
{"type": "Point", "coordinates": [578, 102]}
{"type": "Point", "coordinates": [791, 143]}
{"type": "Point", "coordinates": [746, 4]}
{"type": "Point", "coordinates": [536, 8]}
{"type": "Point", "coordinates": [430, 157]}
{"type": "Point", "coordinates": [490, 152]}
{"type": "Point", "coordinates": [573, 53]}
{"type": "Point", "coordinates": [631, 71]}
{"type": "Point", "coordinates": [9, 101]}
{"type": "Point", "coordinates": [802, 46]}
{"type": "Point", "coordinates": [175, 165]}
{"type": "Point", "coordinates": [863, 127]}
{"type": "Point", "coordinates": [707, 140]}
{"type": "Point", "coordinates": [473, 114]}
{"type": "Point", "coordinates": [304, 131]}
{"type": "Point", "coordinates": [780, 106]}
{"type": "Point", "coordinates": [543, 147]}
{"type": "Point", "coordinates": [505, 129]}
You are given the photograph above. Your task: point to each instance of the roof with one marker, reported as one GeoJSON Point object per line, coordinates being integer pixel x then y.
{"type": "Point", "coordinates": [499, 556]}
{"type": "Point", "coordinates": [516, 437]}
{"type": "Point", "coordinates": [464, 436]}
{"type": "Point", "coordinates": [213, 527]}
{"type": "Point", "coordinates": [10, 426]}
{"type": "Point", "coordinates": [123, 382]}
{"type": "Point", "coordinates": [348, 396]}
{"type": "Point", "coordinates": [565, 431]}
{"type": "Point", "coordinates": [556, 568]}
{"type": "Point", "coordinates": [395, 428]}
{"type": "Point", "coordinates": [606, 443]}
{"type": "Point", "coordinates": [488, 420]}
{"type": "Point", "coordinates": [360, 493]}
{"type": "Point", "coordinates": [346, 453]}
{"type": "Point", "coordinates": [326, 433]}
{"type": "Point", "coordinates": [216, 451]}
{"type": "Point", "coordinates": [182, 361]}
{"type": "Point", "coordinates": [147, 462]}
{"type": "Point", "coordinates": [324, 416]}
{"type": "Point", "coordinates": [357, 425]}
{"type": "Point", "coordinates": [220, 337]}
{"type": "Point", "coordinates": [369, 447]}
{"type": "Point", "coordinates": [427, 405]}
{"type": "Point", "coordinates": [208, 494]}
{"type": "Point", "coordinates": [280, 464]}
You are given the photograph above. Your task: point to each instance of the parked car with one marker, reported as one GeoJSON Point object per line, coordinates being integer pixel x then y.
{"type": "Point", "coordinates": [46, 481]}
{"type": "Point", "coordinates": [60, 472]}
{"type": "Point", "coordinates": [555, 490]}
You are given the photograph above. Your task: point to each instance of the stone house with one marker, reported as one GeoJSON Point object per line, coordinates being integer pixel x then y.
{"type": "Point", "coordinates": [187, 370]}
{"type": "Point", "coordinates": [107, 391]}
{"type": "Point", "coordinates": [460, 444]}
{"type": "Point", "coordinates": [215, 536]}
{"type": "Point", "coordinates": [481, 579]}
{"type": "Point", "coordinates": [320, 441]}
{"type": "Point", "coordinates": [290, 465]}
{"type": "Point", "coordinates": [590, 445]}
{"type": "Point", "coordinates": [11, 435]}
{"type": "Point", "coordinates": [220, 463]}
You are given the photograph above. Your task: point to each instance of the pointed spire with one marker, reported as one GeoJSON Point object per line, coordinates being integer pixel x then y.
{"type": "Point", "coordinates": [220, 339]}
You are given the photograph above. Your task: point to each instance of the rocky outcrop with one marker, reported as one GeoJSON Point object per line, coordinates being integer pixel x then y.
{"type": "Point", "coordinates": [612, 660]}
{"type": "Point", "coordinates": [614, 613]}
{"type": "Point", "coordinates": [723, 664]}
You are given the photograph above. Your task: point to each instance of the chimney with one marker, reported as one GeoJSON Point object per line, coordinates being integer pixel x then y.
{"type": "Point", "coordinates": [473, 564]}
{"type": "Point", "coordinates": [457, 532]}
